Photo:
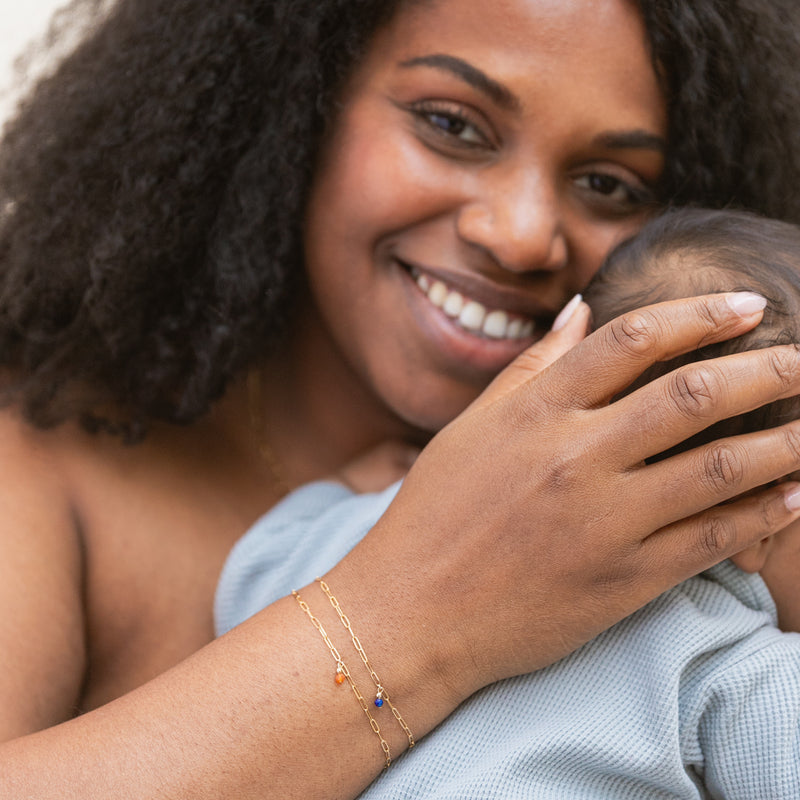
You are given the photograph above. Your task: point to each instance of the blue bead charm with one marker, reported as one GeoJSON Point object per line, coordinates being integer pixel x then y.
{"type": "Point", "coordinates": [378, 701]}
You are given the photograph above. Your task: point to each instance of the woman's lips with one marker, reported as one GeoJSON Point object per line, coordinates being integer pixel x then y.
{"type": "Point", "coordinates": [477, 327]}
{"type": "Point", "coordinates": [471, 314]}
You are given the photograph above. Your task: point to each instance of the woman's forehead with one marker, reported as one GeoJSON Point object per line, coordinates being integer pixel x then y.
{"type": "Point", "coordinates": [536, 48]}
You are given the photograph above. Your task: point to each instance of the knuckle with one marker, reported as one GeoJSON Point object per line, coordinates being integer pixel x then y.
{"type": "Point", "coordinates": [633, 334]}
{"type": "Point", "coordinates": [528, 411]}
{"type": "Point", "coordinates": [771, 514]}
{"type": "Point", "coordinates": [713, 318]}
{"type": "Point", "coordinates": [723, 468]}
{"type": "Point", "coordinates": [532, 362]}
{"type": "Point", "coordinates": [716, 535]}
{"type": "Point", "coordinates": [693, 390]}
{"type": "Point", "coordinates": [616, 577]}
{"type": "Point", "coordinates": [784, 365]}
{"type": "Point", "coordinates": [563, 473]}
{"type": "Point", "coordinates": [791, 441]}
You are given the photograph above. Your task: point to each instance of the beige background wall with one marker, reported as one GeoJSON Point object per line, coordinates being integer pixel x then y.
{"type": "Point", "coordinates": [20, 22]}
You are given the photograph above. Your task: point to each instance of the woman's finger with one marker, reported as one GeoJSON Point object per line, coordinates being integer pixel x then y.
{"type": "Point", "coordinates": [716, 472]}
{"type": "Point", "coordinates": [689, 546]}
{"type": "Point", "coordinates": [670, 409]}
{"type": "Point", "coordinates": [568, 330]}
{"type": "Point", "coordinates": [609, 360]}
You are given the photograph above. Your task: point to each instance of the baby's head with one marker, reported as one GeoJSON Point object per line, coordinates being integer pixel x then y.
{"type": "Point", "coordinates": [692, 252]}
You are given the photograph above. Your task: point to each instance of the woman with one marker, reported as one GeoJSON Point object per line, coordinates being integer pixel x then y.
{"type": "Point", "coordinates": [233, 215]}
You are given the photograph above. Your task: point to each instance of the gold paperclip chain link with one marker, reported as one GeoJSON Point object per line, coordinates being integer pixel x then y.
{"type": "Point", "coordinates": [341, 668]}
{"type": "Point", "coordinates": [382, 694]}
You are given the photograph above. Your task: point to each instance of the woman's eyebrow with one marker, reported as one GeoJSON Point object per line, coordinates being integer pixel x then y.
{"type": "Point", "coordinates": [631, 140]}
{"type": "Point", "coordinates": [479, 80]}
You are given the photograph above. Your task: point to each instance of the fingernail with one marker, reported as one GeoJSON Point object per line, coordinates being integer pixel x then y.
{"type": "Point", "coordinates": [566, 313]}
{"type": "Point", "coordinates": [746, 303]}
{"type": "Point", "coordinates": [792, 499]}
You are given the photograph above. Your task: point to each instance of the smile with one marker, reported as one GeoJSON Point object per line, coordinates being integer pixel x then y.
{"type": "Point", "coordinates": [471, 315]}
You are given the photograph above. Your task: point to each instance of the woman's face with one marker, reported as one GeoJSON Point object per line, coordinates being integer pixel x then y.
{"type": "Point", "coordinates": [485, 159]}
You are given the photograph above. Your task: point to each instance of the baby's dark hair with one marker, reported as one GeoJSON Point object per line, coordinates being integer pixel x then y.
{"type": "Point", "coordinates": [689, 252]}
{"type": "Point", "coordinates": [152, 191]}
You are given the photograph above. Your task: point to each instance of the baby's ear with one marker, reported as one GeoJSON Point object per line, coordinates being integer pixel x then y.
{"type": "Point", "coordinates": [754, 558]}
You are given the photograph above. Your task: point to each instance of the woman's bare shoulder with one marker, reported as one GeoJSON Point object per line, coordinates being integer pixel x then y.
{"type": "Point", "coordinates": [32, 475]}
{"type": "Point", "coordinates": [41, 627]}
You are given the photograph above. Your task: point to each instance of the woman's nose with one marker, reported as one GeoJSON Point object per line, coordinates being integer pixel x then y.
{"type": "Point", "coordinates": [518, 222]}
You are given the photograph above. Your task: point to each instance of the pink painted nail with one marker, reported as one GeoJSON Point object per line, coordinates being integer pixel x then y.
{"type": "Point", "coordinates": [792, 498]}
{"type": "Point", "coordinates": [566, 313]}
{"type": "Point", "coordinates": [746, 303]}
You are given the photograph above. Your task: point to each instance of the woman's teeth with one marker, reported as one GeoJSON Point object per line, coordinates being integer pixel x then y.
{"type": "Point", "coordinates": [472, 315]}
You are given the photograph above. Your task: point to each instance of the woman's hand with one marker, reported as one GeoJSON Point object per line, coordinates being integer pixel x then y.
{"type": "Point", "coordinates": [531, 523]}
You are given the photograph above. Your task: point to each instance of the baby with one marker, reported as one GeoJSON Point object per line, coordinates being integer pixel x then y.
{"type": "Point", "coordinates": [695, 695]}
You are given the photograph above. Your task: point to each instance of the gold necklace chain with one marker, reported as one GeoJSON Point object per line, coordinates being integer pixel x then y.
{"type": "Point", "coordinates": [258, 424]}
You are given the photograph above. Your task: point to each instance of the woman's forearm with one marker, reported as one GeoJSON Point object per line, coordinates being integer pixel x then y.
{"type": "Point", "coordinates": [256, 713]}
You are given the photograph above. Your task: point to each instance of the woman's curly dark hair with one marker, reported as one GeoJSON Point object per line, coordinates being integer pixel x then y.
{"type": "Point", "coordinates": [152, 191]}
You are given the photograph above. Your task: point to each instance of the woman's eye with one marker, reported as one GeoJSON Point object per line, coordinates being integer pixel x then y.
{"type": "Point", "coordinates": [607, 185]}
{"type": "Point", "coordinates": [455, 126]}
{"type": "Point", "coordinates": [451, 125]}
{"type": "Point", "coordinates": [609, 189]}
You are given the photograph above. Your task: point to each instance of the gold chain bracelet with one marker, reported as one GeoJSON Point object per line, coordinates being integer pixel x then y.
{"type": "Point", "coordinates": [381, 696]}
{"type": "Point", "coordinates": [342, 674]}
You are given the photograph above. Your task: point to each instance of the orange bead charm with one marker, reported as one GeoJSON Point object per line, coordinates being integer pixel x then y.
{"type": "Point", "coordinates": [339, 678]}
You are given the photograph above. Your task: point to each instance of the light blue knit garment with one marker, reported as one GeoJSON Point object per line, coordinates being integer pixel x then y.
{"type": "Point", "coordinates": [697, 695]}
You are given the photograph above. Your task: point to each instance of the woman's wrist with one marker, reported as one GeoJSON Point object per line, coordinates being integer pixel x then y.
{"type": "Point", "coordinates": [415, 652]}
